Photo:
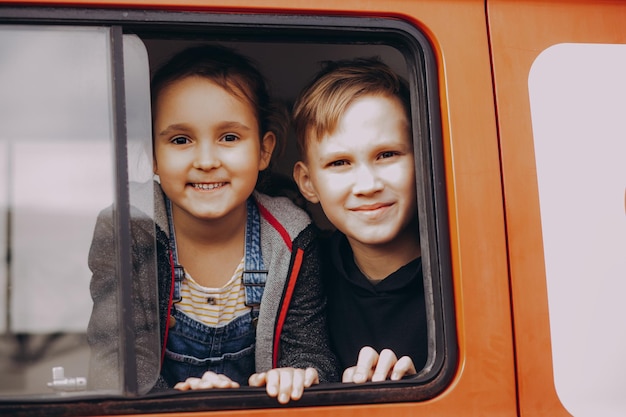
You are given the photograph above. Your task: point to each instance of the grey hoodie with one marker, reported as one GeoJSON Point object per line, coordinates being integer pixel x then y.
{"type": "Point", "coordinates": [291, 330]}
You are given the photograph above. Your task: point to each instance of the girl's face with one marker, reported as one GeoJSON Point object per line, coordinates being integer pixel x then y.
{"type": "Point", "coordinates": [207, 149]}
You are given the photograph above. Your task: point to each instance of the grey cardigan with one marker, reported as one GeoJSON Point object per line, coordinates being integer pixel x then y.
{"type": "Point", "coordinates": [291, 329]}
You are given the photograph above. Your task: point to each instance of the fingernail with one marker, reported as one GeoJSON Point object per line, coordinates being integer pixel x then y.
{"type": "Point", "coordinates": [283, 398]}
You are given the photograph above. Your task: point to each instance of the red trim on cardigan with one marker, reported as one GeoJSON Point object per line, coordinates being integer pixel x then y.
{"type": "Point", "coordinates": [275, 224]}
{"type": "Point", "coordinates": [169, 308]}
{"type": "Point", "coordinates": [282, 315]}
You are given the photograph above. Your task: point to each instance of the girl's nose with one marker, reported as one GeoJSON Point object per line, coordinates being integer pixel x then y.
{"type": "Point", "coordinates": [366, 180]}
{"type": "Point", "coordinates": [206, 157]}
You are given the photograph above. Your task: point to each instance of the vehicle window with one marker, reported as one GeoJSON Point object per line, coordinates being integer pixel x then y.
{"type": "Point", "coordinates": [78, 198]}
{"type": "Point", "coordinates": [58, 152]}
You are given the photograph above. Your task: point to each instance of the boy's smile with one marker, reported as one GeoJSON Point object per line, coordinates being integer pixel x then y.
{"type": "Point", "coordinates": [372, 211]}
{"type": "Point", "coordinates": [363, 174]}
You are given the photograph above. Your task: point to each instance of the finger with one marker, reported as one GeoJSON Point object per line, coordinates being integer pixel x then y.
{"type": "Point", "coordinates": [272, 381]}
{"type": "Point", "coordinates": [311, 377]}
{"type": "Point", "coordinates": [403, 367]}
{"type": "Point", "coordinates": [212, 380]}
{"type": "Point", "coordinates": [257, 380]}
{"type": "Point", "coordinates": [209, 380]}
{"type": "Point", "coordinates": [386, 361]}
{"type": "Point", "coordinates": [297, 384]}
{"type": "Point", "coordinates": [348, 374]}
{"type": "Point", "coordinates": [223, 381]}
{"type": "Point", "coordinates": [365, 364]}
{"type": "Point", "coordinates": [182, 386]}
{"type": "Point", "coordinates": [193, 382]}
{"type": "Point", "coordinates": [286, 380]}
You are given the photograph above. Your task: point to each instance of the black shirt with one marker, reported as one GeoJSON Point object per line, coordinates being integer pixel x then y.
{"type": "Point", "coordinates": [389, 314]}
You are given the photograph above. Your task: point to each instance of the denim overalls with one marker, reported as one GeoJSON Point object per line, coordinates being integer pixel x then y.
{"type": "Point", "coordinates": [193, 347]}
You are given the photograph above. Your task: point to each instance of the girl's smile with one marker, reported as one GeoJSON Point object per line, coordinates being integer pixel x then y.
{"type": "Point", "coordinates": [208, 187]}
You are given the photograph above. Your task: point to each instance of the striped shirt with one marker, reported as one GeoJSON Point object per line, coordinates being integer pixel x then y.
{"type": "Point", "coordinates": [214, 307]}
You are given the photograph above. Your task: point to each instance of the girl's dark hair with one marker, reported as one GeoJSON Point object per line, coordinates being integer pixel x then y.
{"type": "Point", "coordinates": [233, 72]}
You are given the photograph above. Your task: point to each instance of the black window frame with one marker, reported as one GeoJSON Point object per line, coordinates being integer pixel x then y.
{"type": "Point", "coordinates": [429, 164]}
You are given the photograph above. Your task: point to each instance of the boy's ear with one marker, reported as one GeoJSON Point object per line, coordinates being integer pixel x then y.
{"type": "Point", "coordinates": [268, 143]}
{"type": "Point", "coordinates": [303, 179]}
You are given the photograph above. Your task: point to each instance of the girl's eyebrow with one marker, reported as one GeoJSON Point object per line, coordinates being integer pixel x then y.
{"type": "Point", "coordinates": [173, 128]}
{"type": "Point", "coordinates": [233, 125]}
{"type": "Point", "coordinates": [227, 125]}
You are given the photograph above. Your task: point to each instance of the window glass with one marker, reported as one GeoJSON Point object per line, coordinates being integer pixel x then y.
{"type": "Point", "coordinates": [57, 153]}
{"type": "Point", "coordinates": [578, 98]}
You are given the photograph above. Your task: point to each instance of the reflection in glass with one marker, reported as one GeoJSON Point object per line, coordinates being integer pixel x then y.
{"type": "Point", "coordinates": [56, 148]}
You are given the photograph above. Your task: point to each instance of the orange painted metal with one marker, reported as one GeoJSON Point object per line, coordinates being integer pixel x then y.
{"type": "Point", "coordinates": [520, 31]}
{"type": "Point", "coordinates": [485, 381]}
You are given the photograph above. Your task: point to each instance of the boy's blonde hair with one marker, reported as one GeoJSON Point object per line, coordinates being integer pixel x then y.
{"type": "Point", "coordinates": [320, 106]}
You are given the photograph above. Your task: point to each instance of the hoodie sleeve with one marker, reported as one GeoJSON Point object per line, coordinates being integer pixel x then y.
{"type": "Point", "coordinates": [103, 331]}
{"type": "Point", "coordinates": [304, 338]}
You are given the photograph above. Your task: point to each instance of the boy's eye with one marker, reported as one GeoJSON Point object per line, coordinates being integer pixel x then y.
{"type": "Point", "coordinates": [230, 137]}
{"type": "Point", "coordinates": [387, 154]}
{"type": "Point", "coordinates": [179, 140]}
{"type": "Point", "coordinates": [338, 163]}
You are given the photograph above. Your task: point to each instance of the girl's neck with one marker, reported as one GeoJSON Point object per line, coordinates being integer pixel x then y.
{"type": "Point", "coordinates": [210, 250]}
{"type": "Point", "coordinates": [208, 232]}
{"type": "Point", "coordinates": [377, 262]}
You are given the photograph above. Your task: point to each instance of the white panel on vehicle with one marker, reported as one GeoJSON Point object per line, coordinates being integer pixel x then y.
{"type": "Point", "coordinates": [578, 109]}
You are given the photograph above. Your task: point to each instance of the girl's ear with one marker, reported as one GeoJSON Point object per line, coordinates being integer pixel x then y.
{"type": "Point", "coordinates": [303, 179]}
{"type": "Point", "coordinates": [268, 143]}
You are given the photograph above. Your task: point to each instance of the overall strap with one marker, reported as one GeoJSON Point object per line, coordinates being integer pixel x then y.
{"type": "Point", "coordinates": [177, 270]}
{"type": "Point", "coordinates": [254, 273]}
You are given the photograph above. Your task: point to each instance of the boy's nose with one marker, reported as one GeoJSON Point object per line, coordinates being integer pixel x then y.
{"type": "Point", "coordinates": [366, 181]}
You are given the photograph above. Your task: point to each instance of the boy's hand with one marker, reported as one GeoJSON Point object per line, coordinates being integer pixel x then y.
{"type": "Point", "coordinates": [374, 367]}
{"type": "Point", "coordinates": [208, 380]}
{"type": "Point", "coordinates": [285, 383]}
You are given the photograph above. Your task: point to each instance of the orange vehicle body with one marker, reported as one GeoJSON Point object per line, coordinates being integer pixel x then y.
{"type": "Point", "coordinates": [484, 51]}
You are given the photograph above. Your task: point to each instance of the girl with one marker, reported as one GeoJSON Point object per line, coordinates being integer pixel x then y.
{"type": "Point", "coordinates": [235, 266]}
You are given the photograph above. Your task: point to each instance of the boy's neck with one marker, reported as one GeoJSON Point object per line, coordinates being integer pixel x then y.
{"type": "Point", "coordinates": [377, 262]}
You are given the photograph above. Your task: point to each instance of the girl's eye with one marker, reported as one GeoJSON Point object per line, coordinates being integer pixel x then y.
{"type": "Point", "coordinates": [179, 140]}
{"type": "Point", "coordinates": [230, 138]}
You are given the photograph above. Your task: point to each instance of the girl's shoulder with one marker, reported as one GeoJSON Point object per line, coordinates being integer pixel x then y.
{"type": "Point", "coordinates": [148, 198]}
{"type": "Point", "coordinates": [282, 213]}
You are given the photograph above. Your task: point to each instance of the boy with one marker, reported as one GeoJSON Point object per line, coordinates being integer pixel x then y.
{"type": "Point", "coordinates": [354, 135]}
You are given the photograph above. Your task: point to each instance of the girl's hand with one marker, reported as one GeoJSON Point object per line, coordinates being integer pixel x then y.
{"type": "Point", "coordinates": [285, 383]}
{"type": "Point", "coordinates": [208, 380]}
{"type": "Point", "coordinates": [374, 367]}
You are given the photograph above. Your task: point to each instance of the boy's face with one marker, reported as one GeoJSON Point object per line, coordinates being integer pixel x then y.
{"type": "Point", "coordinates": [363, 174]}
{"type": "Point", "coordinates": [207, 149]}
